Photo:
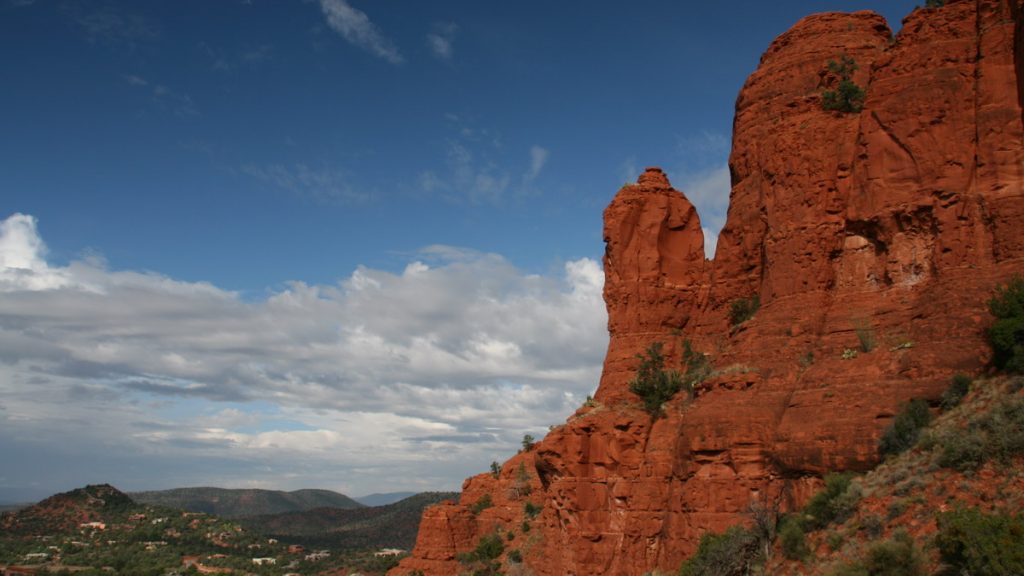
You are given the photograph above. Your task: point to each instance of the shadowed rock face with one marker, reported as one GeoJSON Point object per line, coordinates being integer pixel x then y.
{"type": "Point", "coordinates": [891, 225]}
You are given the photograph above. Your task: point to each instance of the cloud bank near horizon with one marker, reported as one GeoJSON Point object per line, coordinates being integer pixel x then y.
{"type": "Point", "coordinates": [409, 380]}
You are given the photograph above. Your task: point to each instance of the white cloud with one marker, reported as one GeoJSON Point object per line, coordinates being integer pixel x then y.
{"type": "Point", "coordinates": [355, 26]}
{"type": "Point", "coordinates": [441, 38]}
{"type": "Point", "coordinates": [22, 263]}
{"type": "Point", "coordinates": [398, 380]}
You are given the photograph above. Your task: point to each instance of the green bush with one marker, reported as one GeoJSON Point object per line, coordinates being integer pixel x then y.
{"type": "Point", "coordinates": [1007, 334]}
{"type": "Point", "coordinates": [483, 557]}
{"type": "Point", "coordinates": [848, 97]}
{"type": "Point", "coordinates": [934, 3]}
{"type": "Point", "coordinates": [515, 556]}
{"type": "Point", "coordinates": [902, 434]}
{"type": "Point", "coordinates": [996, 435]}
{"type": "Point", "coordinates": [528, 442]}
{"type": "Point", "coordinates": [835, 503]}
{"type": "Point", "coordinates": [894, 557]}
{"type": "Point", "coordinates": [743, 309]}
{"type": "Point", "coordinates": [653, 384]}
{"type": "Point", "coordinates": [482, 504]}
{"type": "Point", "coordinates": [980, 544]}
{"type": "Point", "coordinates": [698, 368]}
{"type": "Point", "coordinates": [791, 535]}
{"type": "Point", "coordinates": [531, 510]}
{"type": "Point", "coordinates": [731, 553]}
{"type": "Point", "coordinates": [953, 395]}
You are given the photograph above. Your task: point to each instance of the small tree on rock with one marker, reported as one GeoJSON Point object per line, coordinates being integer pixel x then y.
{"type": "Point", "coordinates": [653, 383]}
{"type": "Point", "coordinates": [1007, 334]}
{"type": "Point", "coordinates": [848, 96]}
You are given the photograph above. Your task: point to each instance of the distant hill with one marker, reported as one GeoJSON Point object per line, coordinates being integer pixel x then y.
{"type": "Point", "coordinates": [66, 511]}
{"type": "Point", "coordinates": [391, 526]}
{"type": "Point", "coordinates": [12, 507]}
{"type": "Point", "coordinates": [384, 499]}
{"type": "Point", "coordinates": [236, 503]}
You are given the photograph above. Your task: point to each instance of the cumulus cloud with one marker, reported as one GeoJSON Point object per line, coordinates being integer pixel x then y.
{"type": "Point", "coordinates": [22, 252]}
{"type": "Point", "coordinates": [441, 39]}
{"type": "Point", "coordinates": [385, 379]}
{"type": "Point", "coordinates": [355, 26]}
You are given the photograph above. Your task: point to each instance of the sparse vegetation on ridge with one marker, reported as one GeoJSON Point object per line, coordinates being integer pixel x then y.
{"type": "Point", "coordinates": [876, 524]}
{"type": "Point", "coordinates": [974, 542]}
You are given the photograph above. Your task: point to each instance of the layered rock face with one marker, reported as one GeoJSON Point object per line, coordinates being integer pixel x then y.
{"type": "Point", "coordinates": [881, 232]}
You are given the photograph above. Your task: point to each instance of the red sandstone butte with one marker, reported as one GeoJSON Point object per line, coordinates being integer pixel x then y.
{"type": "Point", "coordinates": [894, 223]}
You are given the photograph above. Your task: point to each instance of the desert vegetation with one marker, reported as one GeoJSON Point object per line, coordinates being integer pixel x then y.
{"type": "Point", "coordinates": [848, 97]}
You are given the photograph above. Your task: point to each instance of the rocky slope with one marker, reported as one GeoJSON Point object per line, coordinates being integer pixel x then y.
{"type": "Point", "coordinates": [872, 240]}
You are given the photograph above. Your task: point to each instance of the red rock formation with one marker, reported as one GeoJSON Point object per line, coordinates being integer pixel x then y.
{"type": "Point", "coordinates": [893, 224]}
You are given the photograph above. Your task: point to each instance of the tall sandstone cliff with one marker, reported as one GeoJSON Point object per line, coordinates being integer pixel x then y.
{"type": "Point", "coordinates": [893, 223]}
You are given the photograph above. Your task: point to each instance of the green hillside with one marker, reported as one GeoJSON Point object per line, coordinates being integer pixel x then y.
{"type": "Point", "coordinates": [391, 526]}
{"type": "Point", "coordinates": [239, 502]}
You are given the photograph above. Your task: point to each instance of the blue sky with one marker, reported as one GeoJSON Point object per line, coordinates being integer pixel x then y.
{"type": "Point", "coordinates": [337, 243]}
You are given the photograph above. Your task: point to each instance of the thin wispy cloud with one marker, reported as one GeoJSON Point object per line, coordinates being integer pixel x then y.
{"type": "Point", "coordinates": [538, 158]}
{"type": "Point", "coordinates": [480, 169]}
{"type": "Point", "coordinates": [441, 40]}
{"type": "Point", "coordinates": [355, 26]}
{"type": "Point", "coordinates": [109, 25]}
{"type": "Point", "coordinates": [177, 103]}
{"type": "Point", "coordinates": [322, 184]}
{"type": "Point", "coordinates": [433, 371]}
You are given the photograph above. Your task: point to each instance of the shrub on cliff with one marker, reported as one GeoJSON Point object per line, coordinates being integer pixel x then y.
{"type": "Point", "coordinates": [958, 388]}
{"type": "Point", "coordinates": [902, 434]}
{"type": "Point", "coordinates": [848, 97]}
{"type": "Point", "coordinates": [483, 558]}
{"type": "Point", "coordinates": [731, 553]}
{"type": "Point", "coordinates": [996, 435]}
{"type": "Point", "coordinates": [835, 503]}
{"type": "Point", "coordinates": [482, 504]}
{"type": "Point", "coordinates": [653, 383]}
{"type": "Point", "coordinates": [1007, 334]}
{"type": "Point", "coordinates": [973, 542]}
{"type": "Point", "coordinates": [698, 368]}
{"type": "Point", "coordinates": [743, 309]}
{"type": "Point", "coordinates": [794, 544]}
{"type": "Point", "coordinates": [897, 556]}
